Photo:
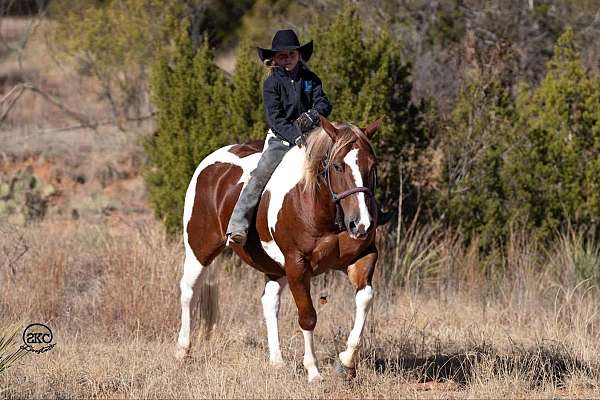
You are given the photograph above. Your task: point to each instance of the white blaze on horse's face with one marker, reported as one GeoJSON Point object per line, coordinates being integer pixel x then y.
{"type": "Point", "coordinates": [360, 227]}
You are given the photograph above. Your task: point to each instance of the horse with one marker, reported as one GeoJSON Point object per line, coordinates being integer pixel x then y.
{"type": "Point", "coordinates": [317, 213]}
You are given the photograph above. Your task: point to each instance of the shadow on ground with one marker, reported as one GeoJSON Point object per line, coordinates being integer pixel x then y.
{"type": "Point", "coordinates": [539, 365]}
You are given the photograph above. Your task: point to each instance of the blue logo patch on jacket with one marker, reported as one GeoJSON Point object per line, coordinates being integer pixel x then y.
{"type": "Point", "coordinates": [307, 86]}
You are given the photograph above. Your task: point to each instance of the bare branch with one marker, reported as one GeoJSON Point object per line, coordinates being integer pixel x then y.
{"type": "Point", "coordinates": [31, 28]}
{"type": "Point", "coordinates": [10, 92]}
{"type": "Point", "coordinates": [96, 124]}
{"type": "Point", "coordinates": [12, 101]}
{"type": "Point", "coordinates": [58, 104]}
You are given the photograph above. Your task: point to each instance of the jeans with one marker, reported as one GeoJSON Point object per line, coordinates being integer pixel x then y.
{"type": "Point", "coordinates": [243, 213]}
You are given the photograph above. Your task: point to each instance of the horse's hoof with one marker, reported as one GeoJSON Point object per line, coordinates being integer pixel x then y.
{"type": "Point", "coordinates": [315, 378]}
{"type": "Point", "coordinates": [346, 372]}
{"type": "Point", "coordinates": [181, 353]}
{"type": "Point", "coordinates": [277, 363]}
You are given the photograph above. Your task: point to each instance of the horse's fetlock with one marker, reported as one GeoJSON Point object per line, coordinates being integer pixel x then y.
{"type": "Point", "coordinates": [308, 322]}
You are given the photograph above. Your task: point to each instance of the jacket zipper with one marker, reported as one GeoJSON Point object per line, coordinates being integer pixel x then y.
{"type": "Point", "coordinates": [296, 99]}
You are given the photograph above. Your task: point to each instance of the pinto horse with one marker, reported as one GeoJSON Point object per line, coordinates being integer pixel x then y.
{"type": "Point", "coordinates": [316, 213]}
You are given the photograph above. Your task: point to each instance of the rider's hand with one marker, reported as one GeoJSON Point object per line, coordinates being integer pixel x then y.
{"type": "Point", "coordinates": [300, 140]}
{"type": "Point", "coordinates": [308, 120]}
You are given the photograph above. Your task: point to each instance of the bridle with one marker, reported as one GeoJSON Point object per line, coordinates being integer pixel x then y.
{"type": "Point", "coordinates": [337, 197]}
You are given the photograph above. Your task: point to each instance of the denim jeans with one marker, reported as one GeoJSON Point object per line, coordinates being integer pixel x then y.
{"type": "Point", "coordinates": [243, 213]}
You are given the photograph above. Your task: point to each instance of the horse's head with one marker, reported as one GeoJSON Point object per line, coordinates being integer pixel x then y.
{"type": "Point", "coordinates": [348, 168]}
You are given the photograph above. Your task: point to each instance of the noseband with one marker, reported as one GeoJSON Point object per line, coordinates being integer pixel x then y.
{"type": "Point", "coordinates": [336, 197]}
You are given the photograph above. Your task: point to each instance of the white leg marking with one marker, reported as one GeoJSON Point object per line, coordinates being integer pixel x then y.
{"type": "Point", "coordinates": [363, 303]}
{"type": "Point", "coordinates": [191, 271]}
{"type": "Point", "coordinates": [310, 361]}
{"type": "Point", "coordinates": [270, 303]}
{"type": "Point", "coordinates": [351, 159]}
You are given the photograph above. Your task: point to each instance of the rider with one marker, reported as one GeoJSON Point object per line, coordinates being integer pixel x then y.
{"type": "Point", "coordinates": [294, 99]}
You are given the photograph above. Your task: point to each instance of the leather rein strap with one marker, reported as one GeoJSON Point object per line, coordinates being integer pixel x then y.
{"type": "Point", "coordinates": [339, 196]}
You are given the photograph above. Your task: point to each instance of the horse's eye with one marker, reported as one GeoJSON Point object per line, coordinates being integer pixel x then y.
{"type": "Point", "coordinates": [337, 167]}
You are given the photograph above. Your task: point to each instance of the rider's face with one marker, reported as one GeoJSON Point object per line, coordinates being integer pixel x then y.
{"type": "Point", "coordinates": [287, 59]}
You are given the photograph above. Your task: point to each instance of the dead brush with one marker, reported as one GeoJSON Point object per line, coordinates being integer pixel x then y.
{"type": "Point", "coordinates": [10, 352]}
{"type": "Point", "coordinates": [139, 290]}
{"type": "Point", "coordinates": [122, 282]}
{"type": "Point", "coordinates": [417, 256]}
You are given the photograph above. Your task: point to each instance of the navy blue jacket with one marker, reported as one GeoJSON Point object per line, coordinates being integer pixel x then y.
{"type": "Point", "coordinates": [286, 98]}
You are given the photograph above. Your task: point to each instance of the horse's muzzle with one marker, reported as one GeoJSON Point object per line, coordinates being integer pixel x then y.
{"type": "Point", "coordinates": [357, 229]}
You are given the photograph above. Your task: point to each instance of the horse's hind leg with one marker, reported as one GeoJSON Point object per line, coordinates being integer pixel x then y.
{"type": "Point", "coordinates": [270, 303]}
{"type": "Point", "coordinates": [193, 269]}
{"type": "Point", "coordinates": [360, 274]}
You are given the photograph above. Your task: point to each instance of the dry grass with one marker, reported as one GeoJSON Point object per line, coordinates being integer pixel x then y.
{"type": "Point", "coordinates": [110, 294]}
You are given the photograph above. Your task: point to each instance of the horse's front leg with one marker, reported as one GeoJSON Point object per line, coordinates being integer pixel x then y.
{"type": "Point", "coordinates": [299, 274]}
{"type": "Point", "coordinates": [360, 274]}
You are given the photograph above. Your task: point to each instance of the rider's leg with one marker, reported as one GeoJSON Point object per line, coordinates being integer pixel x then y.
{"type": "Point", "coordinates": [239, 223]}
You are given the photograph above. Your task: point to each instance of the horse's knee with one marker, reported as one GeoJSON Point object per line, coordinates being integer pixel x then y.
{"type": "Point", "coordinates": [308, 321]}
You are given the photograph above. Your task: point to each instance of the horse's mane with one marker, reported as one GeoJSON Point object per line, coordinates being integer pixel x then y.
{"type": "Point", "coordinates": [317, 145]}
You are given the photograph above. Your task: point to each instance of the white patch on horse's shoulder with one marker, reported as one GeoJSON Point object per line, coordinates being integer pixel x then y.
{"type": "Point", "coordinates": [273, 251]}
{"type": "Point", "coordinates": [287, 175]}
{"type": "Point", "coordinates": [351, 159]}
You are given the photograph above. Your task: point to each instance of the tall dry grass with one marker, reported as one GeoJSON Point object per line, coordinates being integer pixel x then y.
{"type": "Point", "coordinates": [10, 352]}
{"type": "Point", "coordinates": [441, 325]}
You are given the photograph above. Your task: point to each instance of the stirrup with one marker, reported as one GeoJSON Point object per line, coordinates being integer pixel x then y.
{"type": "Point", "coordinates": [237, 238]}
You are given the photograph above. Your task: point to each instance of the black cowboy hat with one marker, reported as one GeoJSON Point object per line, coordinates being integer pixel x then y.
{"type": "Point", "coordinates": [284, 41]}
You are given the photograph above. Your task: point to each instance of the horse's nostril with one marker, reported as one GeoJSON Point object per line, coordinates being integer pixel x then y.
{"type": "Point", "coordinates": [357, 227]}
{"type": "Point", "coordinates": [352, 225]}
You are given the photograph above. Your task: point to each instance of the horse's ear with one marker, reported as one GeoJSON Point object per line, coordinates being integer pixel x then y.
{"type": "Point", "coordinates": [370, 130]}
{"type": "Point", "coordinates": [329, 128]}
